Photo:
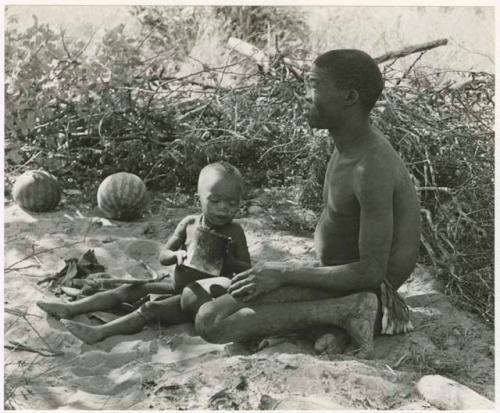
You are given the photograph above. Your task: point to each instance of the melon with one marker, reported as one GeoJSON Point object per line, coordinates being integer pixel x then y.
{"type": "Point", "coordinates": [122, 196]}
{"type": "Point", "coordinates": [37, 191]}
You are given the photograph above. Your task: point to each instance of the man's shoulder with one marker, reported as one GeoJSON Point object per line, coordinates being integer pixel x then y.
{"type": "Point", "coordinates": [380, 155]}
{"type": "Point", "coordinates": [380, 166]}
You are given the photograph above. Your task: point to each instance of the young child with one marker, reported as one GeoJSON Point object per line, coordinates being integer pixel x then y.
{"type": "Point", "coordinates": [220, 187]}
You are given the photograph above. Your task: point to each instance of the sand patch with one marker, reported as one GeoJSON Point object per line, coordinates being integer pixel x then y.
{"type": "Point", "coordinates": [172, 368]}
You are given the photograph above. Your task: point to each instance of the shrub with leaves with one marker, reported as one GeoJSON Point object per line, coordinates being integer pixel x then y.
{"type": "Point", "coordinates": [88, 115]}
{"type": "Point", "coordinates": [444, 132]}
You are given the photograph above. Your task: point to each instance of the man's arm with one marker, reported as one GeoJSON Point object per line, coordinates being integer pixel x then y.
{"type": "Point", "coordinates": [373, 188]}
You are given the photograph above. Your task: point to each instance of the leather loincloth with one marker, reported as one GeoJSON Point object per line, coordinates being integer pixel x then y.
{"type": "Point", "coordinates": [395, 312]}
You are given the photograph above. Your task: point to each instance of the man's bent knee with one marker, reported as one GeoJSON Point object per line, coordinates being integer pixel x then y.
{"type": "Point", "coordinates": [193, 297]}
{"type": "Point", "coordinates": [208, 325]}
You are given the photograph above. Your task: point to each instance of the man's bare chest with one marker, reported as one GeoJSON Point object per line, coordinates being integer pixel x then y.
{"type": "Point", "coordinates": [339, 193]}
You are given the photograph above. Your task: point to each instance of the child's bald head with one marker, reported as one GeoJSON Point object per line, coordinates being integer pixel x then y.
{"type": "Point", "coordinates": [220, 187]}
{"type": "Point", "coordinates": [221, 171]}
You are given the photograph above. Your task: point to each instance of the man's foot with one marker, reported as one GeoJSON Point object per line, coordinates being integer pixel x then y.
{"type": "Point", "coordinates": [361, 324]}
{"type": "Point", "coordinates": [332, 343]}
{"type": "Point", "coordinates": [86, 333]}
{"type": "Point", "coordinates": [57, 310]}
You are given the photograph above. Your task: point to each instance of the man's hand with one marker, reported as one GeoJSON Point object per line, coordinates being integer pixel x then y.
{"type": "Point", "coordinates": [260, 279]}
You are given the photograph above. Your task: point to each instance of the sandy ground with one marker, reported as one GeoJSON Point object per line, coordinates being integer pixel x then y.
{"type": "Point", "coordinates": [172, 368]}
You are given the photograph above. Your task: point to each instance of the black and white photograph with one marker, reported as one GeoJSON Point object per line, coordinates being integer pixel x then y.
{"type": "Point", "coordinates": [214, 206]}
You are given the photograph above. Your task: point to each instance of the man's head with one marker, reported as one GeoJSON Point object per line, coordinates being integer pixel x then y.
{"type": "Point", "coordinates": [220, 187]}
{"type": "Point", "coordinates": [342, 81]}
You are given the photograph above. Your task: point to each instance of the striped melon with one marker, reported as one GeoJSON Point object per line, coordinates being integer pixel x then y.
{"type": "Point", "coordinates": [122, 196]}
{"type": "Point", "coordinates": [37, 191]}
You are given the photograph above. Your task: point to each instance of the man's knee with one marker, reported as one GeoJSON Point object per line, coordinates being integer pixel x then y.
{"type": "Point", "coordinates": [199, 292]}
{"type": "Point", "coordinates": [193, 297]}
{"type": "Point", "coordinates": [208, 325]}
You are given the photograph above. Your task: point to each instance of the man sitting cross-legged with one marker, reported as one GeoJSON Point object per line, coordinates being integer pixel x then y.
{"type": "Point", "coordinates": [367, 237]}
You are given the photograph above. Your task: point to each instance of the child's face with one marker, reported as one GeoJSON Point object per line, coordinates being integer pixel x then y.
{"type": "Point", "coordinates": [219, 198]}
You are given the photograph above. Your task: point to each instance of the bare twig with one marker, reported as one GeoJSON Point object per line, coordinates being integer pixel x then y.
{"type": "Point", "coordinates": [40, 336]}
{"type": "Point", "coordinates": [19, 313]}
{"type": "Point", "coordinates": [396, 365]}
{"type": "Point", "coordinates": [20, 381]}
{"type": "Point", "coordinates": [65, 47]}
{"type": "Point", "coordinates": [24, 315]}
{"type": "Point", "coordinates": [192, 82]}
{"type": "Point", "coordinates": [272, 148]}
{"type": "Point", "coordinates": [35, 53]}
{"type": "Point", "coordinates": [18, 346]}
{"type": "Point", "coordinates": [193, 111]}
{"type": "Point", "coordinates": [434, 188]}
{"type": "Point", "coordinates": [28, 161]}
{"type": "Point", "coordinates": [410, 68]}
{"type": "Point", "coordinates": [10, 267]}
{"type": "Point", "coordinates": [151, 270]}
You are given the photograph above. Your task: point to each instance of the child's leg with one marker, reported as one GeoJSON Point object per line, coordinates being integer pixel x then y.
{"type": "Point", "coordinates": [128, 324]}
{"type": "Point", "coordinates": [198, 293]}
{"type": "Point", "coordinates": [166, 312]}
{"type": "Point", "coordinates": [104, 300]}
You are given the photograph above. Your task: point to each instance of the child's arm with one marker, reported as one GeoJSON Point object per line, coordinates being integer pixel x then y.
{"type": "Point", "coordinates": [171, 252]}
{"type": "Point", "coordinates": [238, 255]}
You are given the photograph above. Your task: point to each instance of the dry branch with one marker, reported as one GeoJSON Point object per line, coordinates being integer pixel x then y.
{"type": "Point", "coordinates": [410, 50]}
{"type": "Point", "coordinates": [18, 346]}
{"type": "Point", "coordinates": [249, 50]}
{"type": "Point", "coordinates": [33, 254]}
{"type": "Point", "coordinates": [263, 60]}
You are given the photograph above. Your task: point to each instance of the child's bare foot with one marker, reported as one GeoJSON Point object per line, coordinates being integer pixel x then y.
{"type": "Point", "coordinates": [86, 333]}
{"type": "Point", "coordinates": [57, 310]}
{"type": "Point", "coordinates": [361, 324]}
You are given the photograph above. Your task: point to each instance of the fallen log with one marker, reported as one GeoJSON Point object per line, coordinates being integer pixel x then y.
{"type": "Point", "coordinates": [410, 50]}
{"type": "Point", "coordinates": [249, 50]}
{"type": "Point", "coordinates": [264, 61]}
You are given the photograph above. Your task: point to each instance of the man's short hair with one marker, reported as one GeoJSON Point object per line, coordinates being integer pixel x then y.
{"type": "Point", "coordinates": [354, 69]}
{"type": "Point", "coordinates": [224, 168]}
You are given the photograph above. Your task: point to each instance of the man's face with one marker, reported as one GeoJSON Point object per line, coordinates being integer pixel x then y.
{"type": "Point", "coordinates": [327, 100]}
{"type": "Point", "coordinates": [219, 198]}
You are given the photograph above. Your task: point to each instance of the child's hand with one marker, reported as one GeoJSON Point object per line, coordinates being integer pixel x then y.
{"type": "Point", "coordinates": [181, 256]}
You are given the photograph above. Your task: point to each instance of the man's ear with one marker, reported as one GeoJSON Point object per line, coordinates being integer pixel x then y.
{"type": "Point", "coordinates": [351, 96]}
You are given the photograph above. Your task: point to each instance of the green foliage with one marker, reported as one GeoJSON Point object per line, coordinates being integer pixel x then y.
{"type": "Point", "coordinates": [89, 114]}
